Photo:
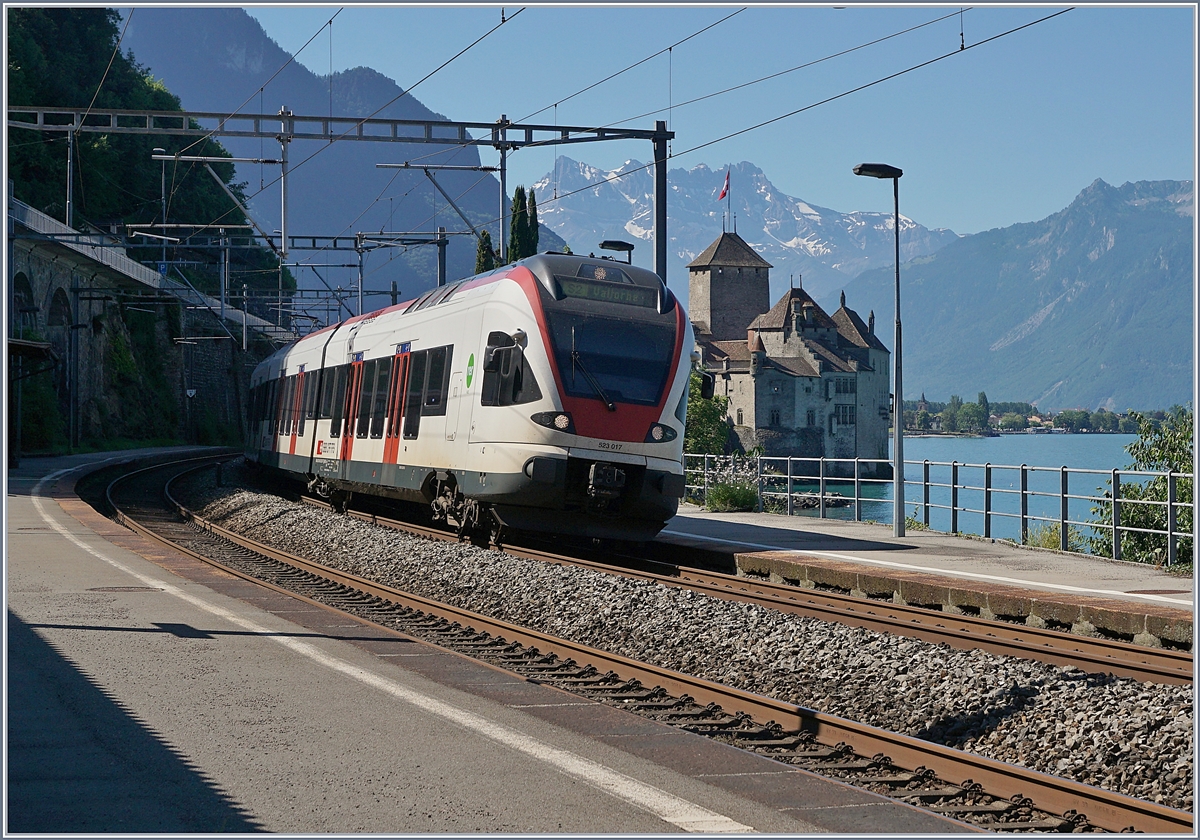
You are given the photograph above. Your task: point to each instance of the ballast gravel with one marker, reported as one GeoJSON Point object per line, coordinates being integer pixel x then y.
{"type": "Point", "coordinates": [1114, 733]}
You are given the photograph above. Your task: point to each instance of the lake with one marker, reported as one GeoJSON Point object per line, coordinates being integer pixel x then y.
{"type": "Point", "coordinates": [1100, 453]}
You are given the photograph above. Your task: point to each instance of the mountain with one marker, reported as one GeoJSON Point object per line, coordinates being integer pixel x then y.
{"type": "Point", "coordinates": [1090, 307]}
{"type": "Point", "coordinates": [824, 247]}
{"type": "Point", "coordinates": [220, 59]}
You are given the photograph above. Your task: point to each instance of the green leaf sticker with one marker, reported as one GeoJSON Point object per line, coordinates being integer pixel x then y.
{"type": "Point", "coordinates": [470, 369]}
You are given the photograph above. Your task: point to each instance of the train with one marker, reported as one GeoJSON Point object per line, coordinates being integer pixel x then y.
{"type": "Point", "coordinates": [548, 396]}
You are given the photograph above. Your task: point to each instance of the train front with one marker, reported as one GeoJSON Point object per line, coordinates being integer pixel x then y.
{"type": "Point", "coordinates": [617, 345]}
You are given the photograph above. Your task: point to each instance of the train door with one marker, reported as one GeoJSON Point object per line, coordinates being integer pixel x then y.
{"type": "Point", "coordinates": [396, 405]}
{"type": "Point", "coordinates": [454, 406]}
{"type": "Point", "coordinates": [297, 412]}
{"type": "Point", "coordinates": [350, 413]}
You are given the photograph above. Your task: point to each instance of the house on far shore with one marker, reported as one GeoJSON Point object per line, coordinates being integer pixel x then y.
{"type": "Point", "coordinates": [800, 382]}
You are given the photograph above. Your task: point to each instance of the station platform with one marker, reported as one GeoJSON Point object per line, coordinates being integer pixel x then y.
{"type": "Point", "coordinates": [151, 693]}
{"type": "Point", "coordinates": [990, 578]}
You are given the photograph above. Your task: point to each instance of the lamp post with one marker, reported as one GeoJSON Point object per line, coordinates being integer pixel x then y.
{"type": "Point", "coordinates": [158, 151]}
{"type": "Point", "coordinates": [882, 170]}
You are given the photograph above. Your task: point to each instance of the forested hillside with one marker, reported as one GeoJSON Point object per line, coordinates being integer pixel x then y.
{"type": "Point", "coordinates": [60, 58]}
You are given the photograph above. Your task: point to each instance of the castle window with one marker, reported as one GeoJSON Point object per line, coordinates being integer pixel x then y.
{"type": "Point", "coordinates": [845, 415]}
{"type": "Point", "coordinates": [774, 416]}
{"type": "Point", "coordinates": [739, 417]}
{"type": "Point", "coordinates": [775, 387]}
{"type": "Point", "coordinates": [812, 417]}
{"type": "Point", "coordinates": [844, 385]}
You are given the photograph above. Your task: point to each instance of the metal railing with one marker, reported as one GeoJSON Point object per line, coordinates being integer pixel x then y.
{"type": "Point", "coordinates": [1004, 501]}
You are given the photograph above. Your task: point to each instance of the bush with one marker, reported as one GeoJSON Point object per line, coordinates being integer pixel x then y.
{"type": "Point", "coordinates": [1161, 446]}
{"type": "Point", "coordinates": [732, 496]}
{"type": "Point", "coordinates": [1048, 535]}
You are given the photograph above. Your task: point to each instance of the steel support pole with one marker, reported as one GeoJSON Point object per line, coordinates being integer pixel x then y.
{"type": "Point", "coordinates": [660, 199]}
{"type": "Point", "coordinates": [69, 213]}
{"type": "Point", "coordinates": [245, 319]}
{"type": "Point", "coordinates": [441, 259]}
{"type": "Point", "coordinates": [224, 273]}
{"type": "Point", "coordinates": [360, 281]}
{"type": "Point", "coordinates": [285, 137]}
{"type": "Point", "coordinates": [164, 215]}
{"type": "Point", "coordinates": [898, 419]}
{"type": "Point", "coordinates": [1116, 514]}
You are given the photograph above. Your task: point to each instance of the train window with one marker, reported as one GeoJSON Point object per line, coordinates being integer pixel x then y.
{"type": "Point", "coordinates": [628, 360]}
{"type": "Point", "coordinates": [507, 379]}
{"type": "Point", "coordinates": [437, 381]}
{"type": "Point", "coordinates": [366, 392]}
{"type": "Point", "coordinates": [382, 378]}
{"type": "Point", "coordinates": [420, 302]}
{"type": "Point", "coordinates": [269, 403]}
{"type": "Point", "coordinates": [338, 399]}
{"type": "Point", "coordinates": [312, 390]}
{"type": "Point", "coordinates": [328, 378]}
{"type": "Point", "coordinates": [412, 401]}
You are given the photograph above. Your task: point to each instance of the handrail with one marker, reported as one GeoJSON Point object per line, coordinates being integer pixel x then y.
{"type": "Point", "coordinates": [813, 486]}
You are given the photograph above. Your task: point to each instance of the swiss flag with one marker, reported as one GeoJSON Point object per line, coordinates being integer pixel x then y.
{"type": "Point", "coordinates": [724, 189]}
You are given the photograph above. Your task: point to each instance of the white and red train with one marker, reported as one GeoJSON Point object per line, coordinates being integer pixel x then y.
{"type": "Point", "coordinates": [545, 396]}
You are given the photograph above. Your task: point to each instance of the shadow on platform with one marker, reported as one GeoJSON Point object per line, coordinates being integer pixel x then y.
{"type": "Point", "coordinates": [80, 763]}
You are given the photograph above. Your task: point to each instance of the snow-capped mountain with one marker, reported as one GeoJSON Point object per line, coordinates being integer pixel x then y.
{"type": "Point", "coordinates": [824, 247]}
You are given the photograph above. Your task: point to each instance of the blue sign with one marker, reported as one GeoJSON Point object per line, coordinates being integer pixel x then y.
{"type": "Point", "coordinates": [162, 269]}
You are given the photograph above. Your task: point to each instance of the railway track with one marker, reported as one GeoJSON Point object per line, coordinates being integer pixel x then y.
{"type": "Point", "coordinates": [988, 794]}
{"type": "Point", "coordinates": [1055, 647]}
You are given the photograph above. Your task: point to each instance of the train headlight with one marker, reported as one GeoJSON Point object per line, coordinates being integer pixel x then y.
{"type": "Point", "coordinates": [559, 421]}
{"type": "Point", "coordinates": [660, 434]}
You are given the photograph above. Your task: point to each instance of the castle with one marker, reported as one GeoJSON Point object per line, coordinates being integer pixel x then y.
{"type": "Point", "coordinates": [800, 382]}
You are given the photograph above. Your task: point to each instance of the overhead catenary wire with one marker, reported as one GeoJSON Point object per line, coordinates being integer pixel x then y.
{"type": "Point", "coordinates": [638, 63]}
{"type": "Point", "coordinates": [353, 128]}
{"type": "Point", "coordinates": [759, 80]}
{"type": "Point", "coordinates": [889, 77]}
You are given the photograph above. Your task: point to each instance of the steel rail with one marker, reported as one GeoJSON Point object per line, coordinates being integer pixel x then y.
{"type": "Point", "coordinates": [1103, 809]}
{"type": "Point", "coordinates": [1093, 655]}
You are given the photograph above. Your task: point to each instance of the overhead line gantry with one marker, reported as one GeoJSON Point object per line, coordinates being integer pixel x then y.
{"type": "Point", "coordinates": [502, 135]}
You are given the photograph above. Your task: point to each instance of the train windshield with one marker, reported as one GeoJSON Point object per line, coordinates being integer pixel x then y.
{"type": "Point", "coordinates": [616, 360]}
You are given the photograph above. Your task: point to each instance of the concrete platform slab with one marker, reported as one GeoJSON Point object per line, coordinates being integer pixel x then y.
{"type": "Point", "coordinates": [146, 695]}
{"type": "Point", "coordinates": [1134, 601]}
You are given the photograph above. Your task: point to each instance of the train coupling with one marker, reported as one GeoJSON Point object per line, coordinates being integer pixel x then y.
{"type": "Point", "coordinates": [605, 481]}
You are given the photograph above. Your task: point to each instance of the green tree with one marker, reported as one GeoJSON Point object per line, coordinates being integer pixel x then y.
{"type": "Point", "coordinates": [1160, 447]}
{"type": "Point", "coordinates": [706, 430]}
{"type": "Point", "coordinates": [518, 235]}
{"type": "Point", "coordinates": [924, 421]}
{"type": "Point", "coordinates": [970, 417]}
{"type": "Point", "coordinates": [1012, 421]}
{"type": "Point", "coordinates": [1073, 420]}
{"type": "Point", "coordinates": [59, 57]}
{"type": "Point", "coordinates": [949, 420]}
{"type": "Point", "coordinates": [985, 407]}
{"type": "Point", "coordinates": [534, 232]}
{"type": "Point", "coordinates": [485, 254]}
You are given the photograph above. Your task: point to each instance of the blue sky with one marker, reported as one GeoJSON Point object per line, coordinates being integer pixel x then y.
{"type": "Point", "coordinates": [1008, 131]}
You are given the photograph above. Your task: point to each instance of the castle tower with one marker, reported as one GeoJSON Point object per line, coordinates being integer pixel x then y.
{"type": "Point", "coordinates": [729, 286]}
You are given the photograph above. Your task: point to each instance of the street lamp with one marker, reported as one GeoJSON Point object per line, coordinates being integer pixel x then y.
{"type": "Point", "coordinates": [882, 170]}
{"type": "Point", "coordinates": [159, 151]}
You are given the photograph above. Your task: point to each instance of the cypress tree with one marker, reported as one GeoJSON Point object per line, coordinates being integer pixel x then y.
{"type": "Point", "coordinates": [534, 230]}
{"type": "Point", "coordinates": [485, 255]}
{"type": "Point", "coordinates": [518, 237]}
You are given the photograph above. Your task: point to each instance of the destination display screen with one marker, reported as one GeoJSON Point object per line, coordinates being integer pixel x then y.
{"type": "Point", "coordinates": [629, 295]}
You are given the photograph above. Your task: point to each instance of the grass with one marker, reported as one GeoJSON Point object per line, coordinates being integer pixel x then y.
{"type": "Point", "coordinates": [732, 496]}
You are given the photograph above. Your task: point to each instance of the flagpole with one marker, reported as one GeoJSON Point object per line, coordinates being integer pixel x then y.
{"type": "Point", "coordinates": [729, 198]}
